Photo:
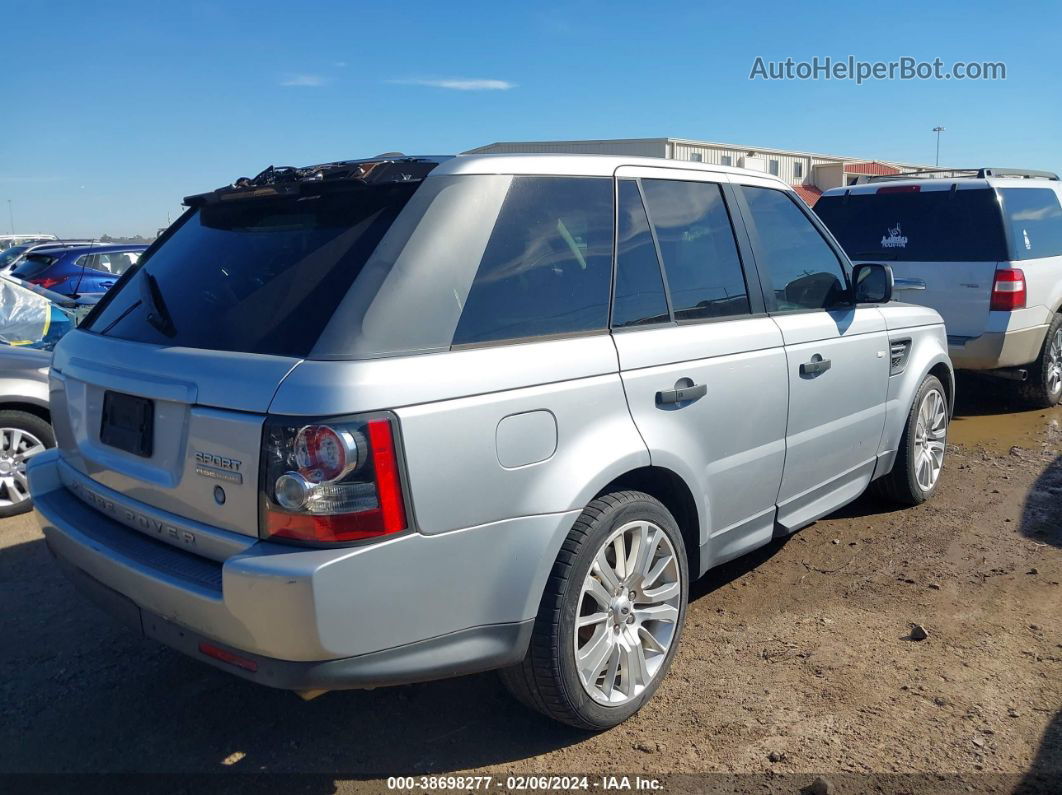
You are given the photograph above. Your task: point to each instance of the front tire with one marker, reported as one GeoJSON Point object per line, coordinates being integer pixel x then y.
{"type": "Point", "coordinates": [611, 615]}
{"type": "Point", "coordinates": [915, 474]}
{"type": "Point", "coordinates": [1044, 387]}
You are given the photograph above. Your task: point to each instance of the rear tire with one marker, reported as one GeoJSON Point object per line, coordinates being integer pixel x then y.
{"type": "Point", "coordinates": [915, 474]}
{"type": "Point", "coordinates": [22, 435]}
{"type": "Point", "coordinates": [590, 664]}
{"type": "Point", "coordinates": [1044, 387]}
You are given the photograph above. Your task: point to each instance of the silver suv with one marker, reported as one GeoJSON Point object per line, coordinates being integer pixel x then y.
{"type": "Point", "coordinates": [984, 248]}
{"type": "Point", "coordinates": [388, 421]}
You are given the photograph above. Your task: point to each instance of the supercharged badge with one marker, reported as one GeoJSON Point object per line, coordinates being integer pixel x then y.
{"type": "Point", "coordinates": [218, 467]}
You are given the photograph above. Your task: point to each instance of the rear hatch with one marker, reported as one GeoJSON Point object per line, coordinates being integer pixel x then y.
{"type": "Point", "coordinates": [162, 393]}
{"type": "Point", "coordinates": [943, 241]}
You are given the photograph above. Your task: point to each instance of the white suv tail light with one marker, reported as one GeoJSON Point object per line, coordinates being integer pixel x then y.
{"type": "Point", "coordinates": [331, 481]}
{"type": "Point", "coordinates": [1008, 290]}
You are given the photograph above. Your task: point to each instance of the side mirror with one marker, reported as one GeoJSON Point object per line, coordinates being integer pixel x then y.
{"type": "Point", "coordinates": [873, 283]}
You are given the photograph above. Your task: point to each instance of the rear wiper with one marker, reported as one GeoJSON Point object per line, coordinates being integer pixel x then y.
{"type": "Point", "coordinates": [157, 313]}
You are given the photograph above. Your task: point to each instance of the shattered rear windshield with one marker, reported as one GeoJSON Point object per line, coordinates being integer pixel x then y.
{"type": "Point", "coordinates": [255, 275]}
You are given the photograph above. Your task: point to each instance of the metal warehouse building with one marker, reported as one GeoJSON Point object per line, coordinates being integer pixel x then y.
{"type": "Point", "coordinates": [810, 174]}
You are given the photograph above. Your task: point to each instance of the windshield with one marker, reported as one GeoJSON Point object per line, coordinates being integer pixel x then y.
{"type": "Point", "coordinates": [917, 226]}
{"type": "Point", "coordinates": [256, 275]}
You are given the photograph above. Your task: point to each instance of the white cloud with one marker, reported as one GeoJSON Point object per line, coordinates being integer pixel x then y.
{"type": "Point", "coordinates": [302, 80]}
{"type": "Point", "coordinates": [339, 64]}
{"type": "Point", "coordinates": [458, 83]}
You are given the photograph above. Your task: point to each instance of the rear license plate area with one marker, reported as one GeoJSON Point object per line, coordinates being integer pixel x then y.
{"type": "Point", "coordinates": [128, 423]}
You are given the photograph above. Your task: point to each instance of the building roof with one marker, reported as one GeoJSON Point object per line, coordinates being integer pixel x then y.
{"type": "Point", "coordinates": [873, 167]}
{"type": "Point", "coordinates": [808, 193]}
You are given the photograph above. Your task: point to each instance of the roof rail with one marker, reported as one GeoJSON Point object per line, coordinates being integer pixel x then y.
{"type": "Point", "coordinates": [966, 173]}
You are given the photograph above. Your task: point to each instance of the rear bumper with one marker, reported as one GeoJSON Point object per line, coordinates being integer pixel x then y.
{"type": "Point", "coordinates": [455, 654]}
{"type": "Point", "coordinates": [993, 350]}
{"type": "Point", "coordinates": [410, 609]}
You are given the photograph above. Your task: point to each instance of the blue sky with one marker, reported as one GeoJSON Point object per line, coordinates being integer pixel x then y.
{"type": "Point", "coordinates": [115, 110]}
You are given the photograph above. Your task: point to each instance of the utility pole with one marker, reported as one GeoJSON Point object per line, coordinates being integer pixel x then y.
{"type": "Point", "coordinates": [938, 131]}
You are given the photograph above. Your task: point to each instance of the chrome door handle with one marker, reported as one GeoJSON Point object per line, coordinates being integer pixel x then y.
{"type": "Point", "coordinates": [908, 284]}
{"type": "Point", "coordinates": [680, 394]}
{"type": "Point", "coordinates": [816, 366]}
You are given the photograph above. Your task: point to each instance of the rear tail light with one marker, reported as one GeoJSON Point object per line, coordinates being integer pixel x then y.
{"type": "Point", "coordinates": [332, 481]}
{"type": "Point", "coordinates": [48, 282]}
{"type": "Point", "coordinates": [1008, 290]}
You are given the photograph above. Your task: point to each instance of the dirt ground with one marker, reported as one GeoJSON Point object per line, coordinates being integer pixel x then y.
{"type": "Point", "coordinates": [795, 661]}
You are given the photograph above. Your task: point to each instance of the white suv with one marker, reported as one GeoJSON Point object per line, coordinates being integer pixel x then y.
{"type": "Point", "coordinates": [982, 247]}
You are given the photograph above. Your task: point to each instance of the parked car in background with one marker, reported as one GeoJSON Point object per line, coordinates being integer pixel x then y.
{"type": "Point", "coordinates": [388, 421]}
{"type": "Point", "coordinates": [982, 247]}
{"type": "Point", "coordinates": [82, 270]}
{"type": "Point", "coordinates": [12, 257]}
{"type": "Point", "coordinates": [6, 241]}
{"type": "Point", "coordinates": [31, 322]}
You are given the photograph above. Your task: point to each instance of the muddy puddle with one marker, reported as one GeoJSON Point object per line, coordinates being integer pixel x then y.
{"type": "Point", "coordinates": [988, 416]}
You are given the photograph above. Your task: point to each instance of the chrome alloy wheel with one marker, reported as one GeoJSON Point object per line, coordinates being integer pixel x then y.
{"type": "Point", "coordinates": [1054, 364]}
{"type": "Point", "coordinates": [16, 446]}
{"type": "Point", "coordinates": [931, 432]}
{"type": "Point", "coordinates": [628, 613]}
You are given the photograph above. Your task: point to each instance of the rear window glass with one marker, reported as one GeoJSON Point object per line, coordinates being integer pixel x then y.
{"type": "Point", "coordinates": [704, 276]}
{"type": "Point", "coordinates": [547, 267]}
{"type": "Point", "coordinates": [33, 266]}
{"type": "Point", "coordinates": [1035, 220]}
{"type": "Point", "coordinates": [257, 275]}
{"type": "Point", "coordinates": [923, 226]}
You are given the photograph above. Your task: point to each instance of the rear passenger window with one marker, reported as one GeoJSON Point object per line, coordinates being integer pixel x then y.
{"type": "Point", "coordinates": [547, 268]}
{"type": "Point", "coordinates": [803, 270]}
{"type": "Point", "coordinates": [639, 287]}
{"type": "Point", "coordinates": [704, 275]}
{"type": "Point", "coordinates": [114, 263]}
{"type": "Point", "coordinates": [1035, 220]}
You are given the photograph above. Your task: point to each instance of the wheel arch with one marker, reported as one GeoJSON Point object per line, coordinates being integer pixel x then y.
{"type": "Point", "coordinates": [672, 490]}
{"type": "Point", "coordinates": [30, 408]}
{"type": "Point", "coordinates": [946, 376]}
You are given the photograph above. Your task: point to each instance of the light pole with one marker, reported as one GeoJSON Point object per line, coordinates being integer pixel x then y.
{"type": "Point", "coordinates": [11, 216]}
{"type": "Point", "coordinates": [938, 131]}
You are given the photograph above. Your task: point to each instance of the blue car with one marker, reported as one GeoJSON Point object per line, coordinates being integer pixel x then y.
{"type": "Point", "coordinates": [84, 270]}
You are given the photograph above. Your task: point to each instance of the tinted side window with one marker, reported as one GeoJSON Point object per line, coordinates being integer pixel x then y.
{"type": "Point", "coordinates": [1035, 220]}
{"type": "Point", "coordinates": [639, 287]}
{"type": "Point", "coordinates": [803, 270]}
{"type": "Point", "coordinates": [114, 263]}
{"type": "Point", "coordinates": [704, 275]}
{"type": "Point", "coordinates": [547, 268]}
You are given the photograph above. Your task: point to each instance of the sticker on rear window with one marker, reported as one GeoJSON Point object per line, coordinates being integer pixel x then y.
{"type": "Point", "coordinates": [895, 238]}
